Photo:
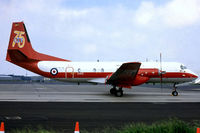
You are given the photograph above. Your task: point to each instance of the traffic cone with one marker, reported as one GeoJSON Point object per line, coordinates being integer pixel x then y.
{"type": "Point", "coordinates": [198, 130]}
{"type": "Point", "coordinates": [77, 128]}
{"type": "Point", "coordinates": [2, 130]}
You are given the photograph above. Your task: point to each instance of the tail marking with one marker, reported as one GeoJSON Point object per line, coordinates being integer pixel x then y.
{"type": "Point", "coordinates": [19, 39]}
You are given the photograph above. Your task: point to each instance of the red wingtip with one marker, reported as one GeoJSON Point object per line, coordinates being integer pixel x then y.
{"type": "Point", "coordinates": [2, 127]}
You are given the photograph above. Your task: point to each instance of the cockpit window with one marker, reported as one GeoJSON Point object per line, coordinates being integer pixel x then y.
{"type": "Point", "coordinates": [183, 67]}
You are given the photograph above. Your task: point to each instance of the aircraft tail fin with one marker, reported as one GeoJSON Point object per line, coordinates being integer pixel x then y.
{"type": "Point", "coordinates": [20, 48]}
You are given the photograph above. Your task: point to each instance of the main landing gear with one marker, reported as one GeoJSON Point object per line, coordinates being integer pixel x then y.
{"type": "Point", "coordinates": [174, 92]}
{"type": "Point", "coordinates": [117, 92]}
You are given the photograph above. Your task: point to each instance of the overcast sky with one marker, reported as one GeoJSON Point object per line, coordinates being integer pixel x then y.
{"type": "Point", "coordinates": [108, 30]}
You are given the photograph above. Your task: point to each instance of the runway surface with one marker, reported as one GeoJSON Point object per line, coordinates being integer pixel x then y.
{"type": "Point", "coordinates": [63, 115]}
{"type": "Point", "coordinates": [93, 93]}
{"type": "Point", "coordinates": [60, 106]}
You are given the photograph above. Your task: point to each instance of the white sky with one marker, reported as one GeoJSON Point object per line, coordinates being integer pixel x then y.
{"type": "Point", "coordinates": [108, 30]}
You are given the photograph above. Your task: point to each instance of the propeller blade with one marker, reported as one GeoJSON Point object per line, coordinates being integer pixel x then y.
{"type": "Point", "coordinates": [161, 71]}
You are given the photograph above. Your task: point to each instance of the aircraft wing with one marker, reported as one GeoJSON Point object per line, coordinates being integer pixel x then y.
{"type": "Point", "coordinates": [125, 73]}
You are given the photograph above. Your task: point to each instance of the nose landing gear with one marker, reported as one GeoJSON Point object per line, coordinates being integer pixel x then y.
{"type": "Point", "coordinates": [117, 92]}
{"type": "Point", "coordinates": [174, 92]}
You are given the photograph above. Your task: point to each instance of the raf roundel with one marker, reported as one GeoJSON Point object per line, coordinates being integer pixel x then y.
{"type": "Point", "coordinates": [54, 71]}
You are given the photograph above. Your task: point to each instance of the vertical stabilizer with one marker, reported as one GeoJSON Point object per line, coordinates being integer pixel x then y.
{"type": "Point", "coordinates": [20, 49]}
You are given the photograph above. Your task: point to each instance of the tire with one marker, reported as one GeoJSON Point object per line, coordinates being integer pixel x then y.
{"type": "Point", "coordinates": [119, 93]}
{"type": "Point", "coordinates": [174, 93]}
{"type": "Point", "coordinates": [112, 91]}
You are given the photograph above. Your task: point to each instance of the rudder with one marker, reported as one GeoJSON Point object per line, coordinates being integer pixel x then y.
{"type": "Point", "coordinates": [19, 48]}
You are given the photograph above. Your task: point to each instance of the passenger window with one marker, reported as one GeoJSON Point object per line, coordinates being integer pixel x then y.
{"type": "Point", "coordinates": [102, 70]}
{"type": "Point", "coordinates": [79, 70]}
{"type": "Point", "coordinates": [94, 70]}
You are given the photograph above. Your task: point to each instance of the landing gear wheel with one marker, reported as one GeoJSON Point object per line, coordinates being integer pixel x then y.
{"type": "Point", "coordinates": [112, 90]}
{"type": "Point", "coordinates": [174, 93]}
{"type": "Point", "coordinates": [119, 93]}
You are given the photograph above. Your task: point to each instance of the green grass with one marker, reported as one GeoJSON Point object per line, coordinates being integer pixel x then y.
{"type": "Point", "coordinates": [39, 129]}
{"type": "Point", "coordinates": [169, 126]}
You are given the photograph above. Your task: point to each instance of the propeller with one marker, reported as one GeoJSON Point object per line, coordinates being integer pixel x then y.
{"type": "Point", "coordinates": [161, 86]}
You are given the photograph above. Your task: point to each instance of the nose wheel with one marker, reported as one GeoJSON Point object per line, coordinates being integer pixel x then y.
{"type": "Point", "coordinates": [175, 93]}
{"type": "Point", "coordinates": [116, 92]}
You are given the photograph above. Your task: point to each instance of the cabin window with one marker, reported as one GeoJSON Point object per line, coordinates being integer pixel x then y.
{"type": "Point", "coordinates": [94, 70]}
{"type": "Point", "coordinates": [79, 70]}
{"type": "Point", "coordinates": [102, 70]}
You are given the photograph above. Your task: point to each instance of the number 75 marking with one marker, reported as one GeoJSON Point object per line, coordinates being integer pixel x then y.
{"type": "Point", "coordinates": [19, 39]}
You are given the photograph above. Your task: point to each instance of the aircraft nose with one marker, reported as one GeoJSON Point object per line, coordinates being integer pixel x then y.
{"type": "Point", "coordinates": [192, 74]}
{"type": "Point", "coordinates": [195, 76]}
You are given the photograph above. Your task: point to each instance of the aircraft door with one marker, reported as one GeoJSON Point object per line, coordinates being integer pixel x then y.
{"type": "Point", "coordinates": [69, 72]}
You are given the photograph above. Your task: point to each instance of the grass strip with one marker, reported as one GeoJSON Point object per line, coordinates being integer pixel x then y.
{"type": "Point", "coordinates": [167, 126]}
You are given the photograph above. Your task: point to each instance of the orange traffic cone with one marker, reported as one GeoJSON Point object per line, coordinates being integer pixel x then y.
{"type": "Point", "coordinates": [77, 128]}
{"type": "Point", "coordinates": [198, 130]}
{"type": "Point", "coordinates": [2, 130]}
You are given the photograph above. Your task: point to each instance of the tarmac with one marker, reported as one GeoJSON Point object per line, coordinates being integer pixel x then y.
{"type": "Point", "coordinates": [59, 106]}
{"type": "Point", "coordinates": [94, 93]}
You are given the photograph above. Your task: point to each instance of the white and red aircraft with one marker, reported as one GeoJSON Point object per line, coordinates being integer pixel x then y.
{"type": "Point", "coordinates": [118, 74]}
